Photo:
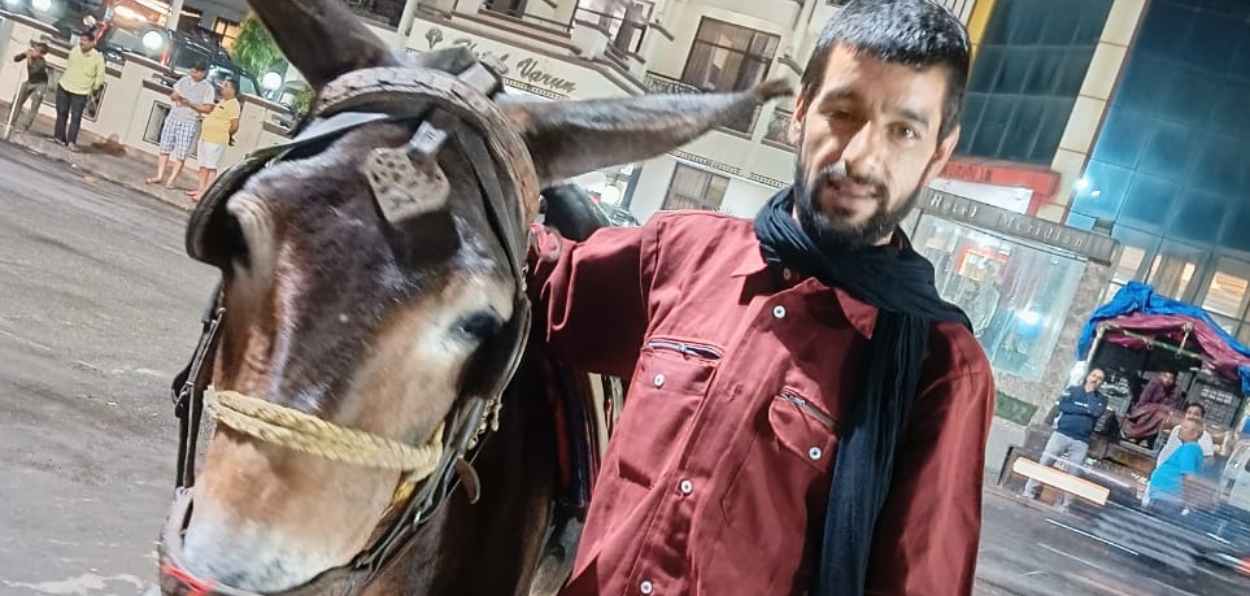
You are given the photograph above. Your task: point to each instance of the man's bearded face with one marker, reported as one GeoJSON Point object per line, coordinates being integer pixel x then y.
{"type": "Point", "coordinates": [869, 138]}
{"type": "Point", "coordinates": [835, 226]}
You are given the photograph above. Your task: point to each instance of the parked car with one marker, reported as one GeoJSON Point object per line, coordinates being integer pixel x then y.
{"type": "Point", "coordinates": [178, 51]}
{"type": "Point", "coordinates": [67, 16]}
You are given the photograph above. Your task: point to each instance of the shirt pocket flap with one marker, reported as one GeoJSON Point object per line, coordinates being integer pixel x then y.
{"type": "Point", "coordinates": [803, 428]}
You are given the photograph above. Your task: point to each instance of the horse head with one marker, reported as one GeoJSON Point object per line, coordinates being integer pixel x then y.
{"type": "Point", "coordinates": [369, 294]}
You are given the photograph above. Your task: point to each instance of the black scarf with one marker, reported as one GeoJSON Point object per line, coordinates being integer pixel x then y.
{"type": "Point", "coordinates": [900, 283]}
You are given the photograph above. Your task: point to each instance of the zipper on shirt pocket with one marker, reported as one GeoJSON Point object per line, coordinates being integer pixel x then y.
{"type": "Point", "coordinates": [702, 351]}
{"type": "Point", "coordinates": [803, 404]}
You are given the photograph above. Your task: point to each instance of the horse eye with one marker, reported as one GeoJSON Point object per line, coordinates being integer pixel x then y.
{"type": "Point", "coordinates": [481, 325]}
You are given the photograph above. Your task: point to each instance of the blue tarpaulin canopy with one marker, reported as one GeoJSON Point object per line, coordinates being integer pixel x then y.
{"type": "Point", "coordinates": [1138, 298]}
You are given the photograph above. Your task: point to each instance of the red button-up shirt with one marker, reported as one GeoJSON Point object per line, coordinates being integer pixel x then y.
{"type": "Point", "coordinates": [715, 481]}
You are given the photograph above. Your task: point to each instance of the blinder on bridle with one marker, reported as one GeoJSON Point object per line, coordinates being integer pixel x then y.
{"type": "Point", "coordinates": [449, 99]}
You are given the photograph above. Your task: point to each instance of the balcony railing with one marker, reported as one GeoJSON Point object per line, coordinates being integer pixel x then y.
{"type": "Point", "coordinates": [385, 11]}
{"type": "Point", "coordinates": [658, 83]}
{"type": "Point", "coordinates": [518, 13]}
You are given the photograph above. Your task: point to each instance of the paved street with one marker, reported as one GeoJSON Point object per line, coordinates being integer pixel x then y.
{"type": "Point", "coordinates": [99, 307]}
{"type": "Point", "coordinates": [1032, 551]}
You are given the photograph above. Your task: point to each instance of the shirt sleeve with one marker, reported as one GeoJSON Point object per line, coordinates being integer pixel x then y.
{"type": "Point", "coordinates": [1207, 444]}
{"type": "Point", "coordinates": [590, 298]}
{"type": "Point", "coordinates": [927, 536]}
{"type": "Point", "coordinates": [98, 80]}
{"type": "Point", "coordinates": [207, 95]}
{"type": "Point", "coordinates": [1067, 403]}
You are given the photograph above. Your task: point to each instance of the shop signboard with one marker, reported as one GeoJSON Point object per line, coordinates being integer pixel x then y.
{"type": "Point", "coordinates": [1096, 247]}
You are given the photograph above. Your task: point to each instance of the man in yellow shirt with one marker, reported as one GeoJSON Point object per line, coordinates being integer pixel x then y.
{"type": "Point", "coordinates": [83, 76]}
{"type": "Point", "coordinates": [220, 125]}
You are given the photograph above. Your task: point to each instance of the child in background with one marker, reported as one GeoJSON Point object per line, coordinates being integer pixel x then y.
{"type": "Point", "coordinates": [1166, 493]}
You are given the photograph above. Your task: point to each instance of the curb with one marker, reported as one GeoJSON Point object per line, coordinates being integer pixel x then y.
{"type": "Point", "coordinates": [88, 167]}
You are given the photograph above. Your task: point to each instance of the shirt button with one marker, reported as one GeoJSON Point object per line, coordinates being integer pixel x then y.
{"type": "Point", "coordinates": [686, 487]}
{"type": "Point", "coordinates": [787, 274]}
{"type": "Point", "coordinates": [658, 381]}
{"type": "Point", "coordinates": [646, 587]}
{"type": "Point", "coordinates": [779, 312]}
{"type": "Point", "coordinates": [815, 453]}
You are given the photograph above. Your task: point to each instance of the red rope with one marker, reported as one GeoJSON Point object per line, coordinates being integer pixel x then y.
{"type": "Point", "coordinates": [195, 586]}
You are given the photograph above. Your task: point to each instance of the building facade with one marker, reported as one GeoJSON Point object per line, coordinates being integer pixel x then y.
{"type": "Point", "coordinates": [1169, 171]}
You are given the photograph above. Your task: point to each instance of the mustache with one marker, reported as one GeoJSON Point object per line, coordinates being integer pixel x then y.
{"type": "Point", "coordinates": [837, 174]}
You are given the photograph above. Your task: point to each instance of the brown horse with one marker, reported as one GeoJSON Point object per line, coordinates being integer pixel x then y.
{"type": "Point", "coordinates": [338, 312]}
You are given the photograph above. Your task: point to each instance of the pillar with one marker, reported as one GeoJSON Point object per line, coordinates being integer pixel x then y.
{"type": "Point", "coordinates": [175, 13]}
{"type": "Point", "coordinates": [406, 18]}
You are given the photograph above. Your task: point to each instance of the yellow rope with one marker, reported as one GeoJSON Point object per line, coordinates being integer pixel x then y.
{"type": "Point", "coordinates": [285, 427]}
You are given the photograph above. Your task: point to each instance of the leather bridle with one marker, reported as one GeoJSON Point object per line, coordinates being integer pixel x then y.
{"type": "Point", "coordinates": [450, 100]}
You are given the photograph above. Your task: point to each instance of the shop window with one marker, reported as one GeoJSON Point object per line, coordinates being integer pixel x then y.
{"type": "Point", "coordinates": [1172, 276]}
{"type": "Point", "coordinates": [1226, 294]}
{"type": "Point", "coordinates": [1229, 325]}
{"type": "Point", "coordinates": [693, 188]}
{"type": "Point", "coordinates": [1129, 264]}
{"type": "Point", "coordinates": [1016, 295]}
{"type": "Point", "coordinates": [1172, 273]}
{"type": "Point", "coordinates": [1110, 292]}
{"type": "Point", "coordinates": [727, 57]}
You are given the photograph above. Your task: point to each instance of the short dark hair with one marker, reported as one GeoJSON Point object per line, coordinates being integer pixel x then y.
{"type": "Point", "coordinates": [1194, 404]}
{"type": "Point", "coordinates": [915, 33]}
{"type": "Point", "coordinates": [200, 66]}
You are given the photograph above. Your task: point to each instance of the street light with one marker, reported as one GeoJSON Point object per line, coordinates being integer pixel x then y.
{"type": "Point", "coordinates": [271, 81]}
{"type": "Point", "coordinates": [153, 41]}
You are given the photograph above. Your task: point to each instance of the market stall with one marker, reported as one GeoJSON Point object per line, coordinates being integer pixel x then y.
{"type": "Point", "coordinates": [1135, 338]}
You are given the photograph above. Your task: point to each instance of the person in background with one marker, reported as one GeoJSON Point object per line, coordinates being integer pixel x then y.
{"type": "Point", "coordinates": [34, 88]}
{"type": "Point", "coordinates": [192, 94]}
{"type": "Point", "coordinates": [1158, 401]}
{"type": "Point", "coordinates": [1166, 492]}
{"type": "Point", "coordinates": [1079, 410]}
{"type": "Point", "coordinates": [220, 125]}
{"type": "Point", "coordinates": [1193, 411]}
{"type": "Point", "coordinates": [83, 76]}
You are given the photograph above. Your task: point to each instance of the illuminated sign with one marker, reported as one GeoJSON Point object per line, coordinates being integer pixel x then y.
{"type": "Point", "coordinates": [1096, 247]}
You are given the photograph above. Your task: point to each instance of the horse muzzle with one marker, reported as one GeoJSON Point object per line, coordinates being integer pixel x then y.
{"type": "Point", "coordinates": [176, 580]}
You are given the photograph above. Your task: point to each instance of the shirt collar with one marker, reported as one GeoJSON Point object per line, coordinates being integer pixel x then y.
{"type": "Point", "coordinates": [861, 315]}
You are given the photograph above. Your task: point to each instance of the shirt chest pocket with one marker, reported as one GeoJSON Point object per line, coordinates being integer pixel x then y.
{"type": "Point", "coordinates": [669, 385]}
{"type": "Point", "coordinates": [802, 428]}
{"type": "Point", "coordinates": [782, 484]}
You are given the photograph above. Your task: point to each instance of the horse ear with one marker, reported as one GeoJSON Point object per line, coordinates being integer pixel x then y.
{"type": "Point", "coordinates": [570, 138]}
{"type": "Point", "coordinates": [322, 38]}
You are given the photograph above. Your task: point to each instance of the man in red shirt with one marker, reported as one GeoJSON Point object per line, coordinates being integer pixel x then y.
{"type": "Point", "coordinates": [805, 415]}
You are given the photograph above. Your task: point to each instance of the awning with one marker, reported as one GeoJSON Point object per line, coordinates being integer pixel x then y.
{"type": "Point", "coordinates": [1136, 307]}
